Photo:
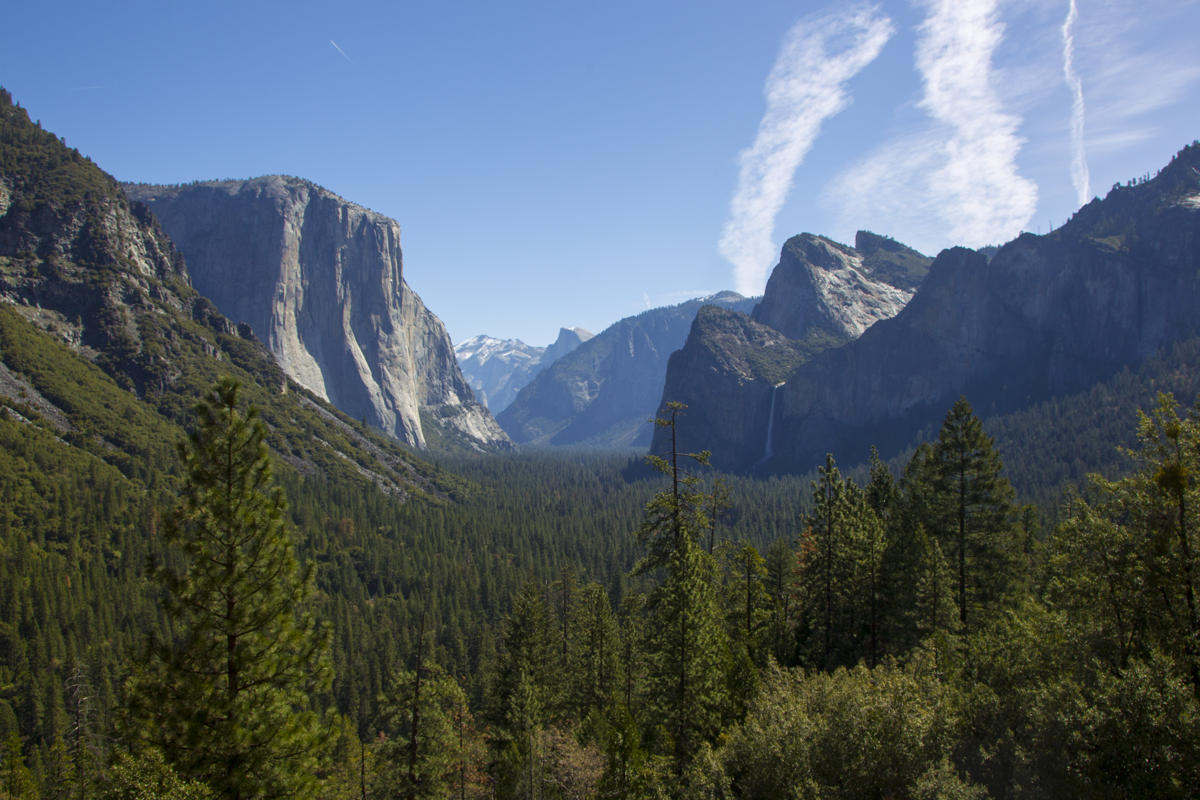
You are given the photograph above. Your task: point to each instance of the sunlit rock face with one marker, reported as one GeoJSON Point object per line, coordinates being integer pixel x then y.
{"type": "Point", "coordinates": [733, 368]}
{"type": "Point", "coordinates": [320, 281]}
{"type": "Point", "coordinates": [819, 283]}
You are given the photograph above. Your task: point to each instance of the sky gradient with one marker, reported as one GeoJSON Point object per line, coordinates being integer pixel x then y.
{"type": "Point", "coordinates": [560, 164]}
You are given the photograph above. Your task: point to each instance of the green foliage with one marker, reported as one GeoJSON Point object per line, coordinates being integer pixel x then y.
{"type": "Point", "coordinates": [147, 776]}
{"type": "Point", "coordinates": [973, 516]}
{"type": "Point", "coordinates": [228, 699]}
{"type": "Point", "coordinates": [419, 750]}
{"type": "Point", "coordinates": [1077, 677]}
{"type": "Point", "coordinates": [1134, 550]}
{"type": "Point", "coordinates": [845, 734]}
{"type": "Point", "coordinates": [841, 559]}
{"type": "Point", "coordinates": [41, 170]}
{"type": "Point", "coordinates": [685, 643]}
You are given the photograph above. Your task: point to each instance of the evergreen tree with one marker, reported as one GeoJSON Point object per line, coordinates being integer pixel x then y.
{"type": "Point", "coordinates": [973, 515]}
{"type": "Point", "coordinates": [420, 755]}
{"type": "Point", "coordinates": [228, 699]}
{"type": "Point", "coordinates": [593, 674]}
{"type": "Point", "coordinates": [520, 694]}
{"type": "Point", "coordinates": [827, 527]}
{"type": "Point", "coordinates": [1125, 565]}
{"type": "Point", "coordinates": [779, 582]}
{"type": "Point", "coordinates": [686, 645]}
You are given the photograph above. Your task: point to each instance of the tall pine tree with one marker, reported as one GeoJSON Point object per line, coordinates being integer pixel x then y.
{"type": "Point", "coordinates": [687, 647]}
{"type": "Point", "coordinates": [974, 515]}
{"type": "Point", "coordinates": [228, 699]}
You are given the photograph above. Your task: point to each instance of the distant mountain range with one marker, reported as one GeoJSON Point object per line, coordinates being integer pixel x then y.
{"type": "Point", "coordinates": [320, 281]}
{"type": "Point", "coordinates": [604, 392]}
{"type": "Point", "coordinates": [497, 369]}
{"type": "Point", "coordinates": [1043, 317]}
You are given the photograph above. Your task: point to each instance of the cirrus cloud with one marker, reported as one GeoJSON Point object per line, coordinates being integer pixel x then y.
{"type": "Point", "coordinates": [957, 179]}
{"type": "Point", "coordinates": [806, 86]}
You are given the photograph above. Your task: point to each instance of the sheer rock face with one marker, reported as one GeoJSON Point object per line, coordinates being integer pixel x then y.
{"type": "Point", "coordinates": [1043, 317]}
{"type": "Point", "coordinates": [731, 369]}
{"type": "Point", "coordinates": [727, 374]}
{"type": "Point", "coordinates": [320, 281]}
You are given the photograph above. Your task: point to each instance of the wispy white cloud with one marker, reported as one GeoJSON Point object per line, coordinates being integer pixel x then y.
{"type": "Point", "coordinates": [806, 86]}
{"type": "Point", "coordinates": [986, 198]}
{"type": "Point", "coordinates": [955, 181]}
{"type": "Point", "coordinates": [340, 50]}
{"type": "Point", "coordinates": [1079, 167]}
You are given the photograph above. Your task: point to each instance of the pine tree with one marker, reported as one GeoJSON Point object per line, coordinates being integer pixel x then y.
{"type": "Point", "coordinates": [826, 565]}
{"type": "Point", "coordinates": [1125, 566]}
{"type": "Point", "coordinates": [228, 700]}
{"type": "Point", "coordinates": [520, 692]}
{"type": "Point", "coordinates": [974, 515]}
{"type": "Point", "coordinates": [779, 582]}
{"type": "Point", "coordinates": [686, 646]}
{"type": "Point", "coordinates": [420, 758]}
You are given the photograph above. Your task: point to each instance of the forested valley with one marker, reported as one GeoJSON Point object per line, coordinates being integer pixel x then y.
{"type": "Point", "coordinates": [570, 626]}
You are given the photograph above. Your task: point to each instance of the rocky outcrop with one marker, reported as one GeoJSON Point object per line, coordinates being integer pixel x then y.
{"type": "Point", "coordinates": [105, 344]}
{"type": "Point", "coordinates": [568, 339]}
{"type": "Point", "coordinates": [320, 281]}
{"type": "Point", "coordinates": [84, 262]}
{"type": "Point", "coordinates": [820, 295]}
{"type": "Point", "coordinates": [727, 374]}
{"type": "Point", "coordinates": [603, 393]}
{"type": "Point", "coordinates": [497, 369]}
{"type": "Point", "coordinates": [819, 284]}
{"type": "Point", "coordinates": [1044, 317]}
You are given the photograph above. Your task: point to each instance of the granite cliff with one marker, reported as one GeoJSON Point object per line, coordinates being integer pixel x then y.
{"type": "Point", "coordinates": [1045, 316]}
{"type": "Point", "coordinates": [820, 284]}
{"type": "Point", "coordinates": [320, 281]}
{"type": "Point", "coordinates": [819, 296]}
{"type": "Point", "coordinates": [603, 393]}
{"type": "Point", "coordinates": [105, 346]}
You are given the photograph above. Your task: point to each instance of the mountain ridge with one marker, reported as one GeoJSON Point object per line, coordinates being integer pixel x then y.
{"type": "Point", "coordinates": [105, 339]}
{"type": "Point", "coordinates": [1044, 316]}
{"type": "Point", "coordinates": [497, 369]}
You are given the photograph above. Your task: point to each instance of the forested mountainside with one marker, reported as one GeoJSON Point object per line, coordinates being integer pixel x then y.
{"type": "Point", "coordinates": [1046, 316]}
{"type": "Point", "coordinates": [320, 281]}
{"type": "Point", "coordinates": [291, 604]}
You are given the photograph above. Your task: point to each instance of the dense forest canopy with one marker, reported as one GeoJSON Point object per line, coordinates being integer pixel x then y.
{"type": "Point", "coordinates": [918, 635]}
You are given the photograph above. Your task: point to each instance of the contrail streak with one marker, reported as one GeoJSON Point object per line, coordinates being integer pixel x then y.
{"type": "Point", "coordinates": [340, 50]}
{"type": "Point", "coordinates": [806, 86]}
{"type": "Point", "coordinates": [1079, 168]}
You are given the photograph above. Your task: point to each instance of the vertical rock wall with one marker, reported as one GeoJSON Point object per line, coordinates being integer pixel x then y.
{"type": "Point", "coordinates": [320, 280]}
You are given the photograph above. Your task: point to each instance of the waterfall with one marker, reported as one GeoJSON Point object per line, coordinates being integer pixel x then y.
{"type": "Point", "coordinates": [768, 450]}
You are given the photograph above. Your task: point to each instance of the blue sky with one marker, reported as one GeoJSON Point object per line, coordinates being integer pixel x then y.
{"type": "Point", "coordinates": [560, 163]}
